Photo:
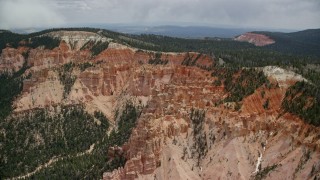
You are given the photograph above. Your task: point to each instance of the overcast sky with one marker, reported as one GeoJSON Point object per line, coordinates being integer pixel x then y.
{"type": "Point", "coordinates": [277, 14]}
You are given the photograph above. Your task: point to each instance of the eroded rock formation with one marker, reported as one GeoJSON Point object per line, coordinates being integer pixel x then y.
{"type": "Point", "coordinates": [233, 144]}
{"type": "Point", "coordinates": [256, 39]}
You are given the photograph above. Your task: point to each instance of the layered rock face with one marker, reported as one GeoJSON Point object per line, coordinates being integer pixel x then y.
{"type": "Point", "coordinates": [11, 60]}
{"type": "Point", "coordinates": [238, 144]}
{"type": "Point", "coordinates": [256, 39]}
{"type": "Point", "coordinates": [166, 144]}
{"type": "Point", "coordinates": [77, 39]}
{"type": "Point", "coordinates": [44, 59]}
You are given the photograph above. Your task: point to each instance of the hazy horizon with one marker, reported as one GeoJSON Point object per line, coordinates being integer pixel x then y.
{"type": "Point", "coordinates": [259, 14]}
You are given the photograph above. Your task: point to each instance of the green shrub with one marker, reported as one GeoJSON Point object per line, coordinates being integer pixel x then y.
{"type": "Point", "coordinates": [239, 83]}
{"type": "Point", "coordinates": [84, 66]}
{"type": "Point", "coordinates": [266, 104]}
{"type": "Point", "coordinates": [197, 117]}
{"type": "Point", "coordinates": [102, 118]}
{"type": "Point", "coordinates": [98, 47]}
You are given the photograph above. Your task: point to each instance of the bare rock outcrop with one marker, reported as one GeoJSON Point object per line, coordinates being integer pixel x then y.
{"type": "Point", "coordinates": [11, 60]}
{"type": "Point", "coordinates": [256, 39]}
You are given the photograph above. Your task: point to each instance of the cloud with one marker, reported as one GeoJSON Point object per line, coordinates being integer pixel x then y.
{"type": "Point", "coordinates": [286, 14]}
{"type": "Point", "coordinates": [27, 14]}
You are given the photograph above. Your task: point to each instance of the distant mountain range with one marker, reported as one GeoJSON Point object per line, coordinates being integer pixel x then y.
{"type": "Point", "coordinates": [194, 32]}
{"type": "Point", "coordinates": [182, 31]}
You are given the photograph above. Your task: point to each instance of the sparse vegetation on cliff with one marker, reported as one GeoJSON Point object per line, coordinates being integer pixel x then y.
{"type": "Point", "coordinates": [95, 47]}
{"type": "Point", "coordinates": [303, 99]}
{"type": "Point", "coordinates": [189, 61]}
{"type": "Point", "coordinates": [266, 104]}
{"type": "Point", "coordinates": [158, 60]}
{"type": "Point", "coordinates": [200, 147]}
{"type": "Point", "coordinates": [239, 82]}
{"type": "Point", "coordinates": [10, 88]}
{"type": "Point", "coordinates": [310, 72]}
{"type": "Point", "coordinates": [66, 77]}
{"type": "Point", "coordinates": [265, 171]}
{"type": "Point", "coordinates": [245, 84]}
{"type": "Point", "coordinates": [84, 66]}
{"type": "Point", "coordinates": [98, 47]}
{"type": "Point", "coordinates": [127, 121]}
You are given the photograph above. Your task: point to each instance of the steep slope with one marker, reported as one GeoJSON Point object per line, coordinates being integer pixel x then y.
{"type": "Point", "coordinates": [221, 143]}
{"type": "Point", "coordinates": [91, 107]}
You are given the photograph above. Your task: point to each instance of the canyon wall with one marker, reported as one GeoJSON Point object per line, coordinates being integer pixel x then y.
{"type": "Point", "coordinates": [232, 144]}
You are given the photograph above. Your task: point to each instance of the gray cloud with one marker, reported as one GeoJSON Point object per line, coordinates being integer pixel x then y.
{"type": "Point", "coordinates": [288, 14]}
{"type": "Point", "coordinates": [27, 14]}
